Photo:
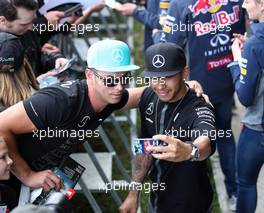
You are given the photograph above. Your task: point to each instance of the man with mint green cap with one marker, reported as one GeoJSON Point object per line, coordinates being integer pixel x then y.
{"type": "Point", "coordinates": [110, 56]}
{"type": "Point", "coordinates": [72, 107]}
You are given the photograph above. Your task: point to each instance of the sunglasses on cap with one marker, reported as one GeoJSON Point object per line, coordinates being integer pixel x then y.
{"type": "Point", "coordinates": [112, 81]}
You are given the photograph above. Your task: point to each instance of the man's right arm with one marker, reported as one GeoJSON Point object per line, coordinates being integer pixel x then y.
{"type": "Point", "coordinates": [14, 121]}
{"type": "Point", "coordinates": [134, 97]}
{"type": "Point", "coordinates": [140, 169]}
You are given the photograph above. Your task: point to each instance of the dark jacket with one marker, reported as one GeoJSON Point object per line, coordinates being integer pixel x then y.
{"type": "Point", "coordinates": [248, 78]}
{"type": "Point", "coordinates": [150, 18]}
{"type": "Point", "coordinates": [206, 30]}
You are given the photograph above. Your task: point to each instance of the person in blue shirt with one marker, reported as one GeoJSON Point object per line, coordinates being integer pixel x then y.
{"type": "Point", "coordinates": [248, 77]}
{"type": "Point", "coordinates": [205, 30]}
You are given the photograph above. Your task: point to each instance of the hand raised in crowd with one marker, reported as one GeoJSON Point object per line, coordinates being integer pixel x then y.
{"type": "Point", "coordinates": [237, 47]}
{"type": "Point", "coordinates": [175, 151]}
{"type": "Point", "coordinates": [60, 62]}
{"type": "Point", "coordinates": [130, 205]}
{"type": "Point", "coordinates": [241, 39]}
{"type": "Point", "coordinates": [45, 179]}
{"type": "Point", "coordinates": [54, 16]}
{"type": "Point", "coordinates": [96, 8]}
{"type": "Point", "coordinates": [126, 9]}
{"type": "Point", "coordinates": [49, 48]}
{"type": "Point", "coordinates": [73, 19]}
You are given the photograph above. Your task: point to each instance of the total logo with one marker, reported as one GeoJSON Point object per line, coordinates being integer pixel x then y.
{"type": "Point", "coordinates": [220, 62]}
{"type": "Point", "coordinates": [205, 6]}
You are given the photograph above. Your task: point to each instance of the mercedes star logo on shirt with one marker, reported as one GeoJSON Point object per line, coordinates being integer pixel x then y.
{"type": "Point", "coordinates": [117, 55]}
{"type": "Point", "coordinates": [150, 109]}
{"type": "Point", "coordinates": [158, 61]}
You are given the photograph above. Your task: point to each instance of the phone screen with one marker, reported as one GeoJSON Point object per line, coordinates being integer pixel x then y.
{"type": "Point", "coordinates": [140, 145]}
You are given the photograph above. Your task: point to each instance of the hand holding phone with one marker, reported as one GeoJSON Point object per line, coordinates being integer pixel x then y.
{"type": "Point", "coordinates": [65, 67]}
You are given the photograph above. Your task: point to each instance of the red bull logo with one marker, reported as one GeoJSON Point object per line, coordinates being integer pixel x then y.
{"type": "Point", "coordinates": [220, 21]}
{"type": "Point", "coordinates": [204, 6]}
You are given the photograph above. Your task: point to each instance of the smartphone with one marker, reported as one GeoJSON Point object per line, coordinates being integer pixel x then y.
{"type": "Point", "coordinates": [77, 10]}
{"type": "Point", "coordinates": [140, 145]}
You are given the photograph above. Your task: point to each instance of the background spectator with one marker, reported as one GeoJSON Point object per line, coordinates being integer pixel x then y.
{"type": "Point", "coordinates": [248, 78]}
{"type": "Point", "coordinates": [16, 75]}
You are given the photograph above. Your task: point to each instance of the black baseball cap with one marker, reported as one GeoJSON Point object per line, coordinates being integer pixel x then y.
{"type": "Point", "coordinates": [164, 60]}
{"type": "Point", "coordinates": [11, 51]}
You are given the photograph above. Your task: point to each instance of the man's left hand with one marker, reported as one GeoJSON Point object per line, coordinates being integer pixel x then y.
{"type": "Point", "coordinates": [237, 47]}
{"type": "Point", "coordinates": [54, 17]}
{"type": "Point", "coordinates": [175, 151]}
{"type": "Point", "coordinates": [49, 48]}
{"type": "Point", "coordinates": [198, 89]}
{"type": "Point", "coordinates": [60, 62]}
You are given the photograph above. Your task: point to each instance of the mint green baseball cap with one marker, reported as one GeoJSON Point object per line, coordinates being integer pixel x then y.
{"type": "Point", "coordinates": [110, 56]}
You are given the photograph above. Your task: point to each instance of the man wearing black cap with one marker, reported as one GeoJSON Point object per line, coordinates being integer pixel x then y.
{"type": "Point", "coordinates": [172, 113]}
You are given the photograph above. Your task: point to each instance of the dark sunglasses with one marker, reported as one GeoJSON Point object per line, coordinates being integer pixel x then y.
{"type": "Point", "coordinates": [112, 81]}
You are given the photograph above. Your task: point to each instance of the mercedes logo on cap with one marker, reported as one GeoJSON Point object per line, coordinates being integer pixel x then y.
{"type": "Point", "coordinates": [117, 55]}
{"type": "Point", "coordinates": [158, 61]}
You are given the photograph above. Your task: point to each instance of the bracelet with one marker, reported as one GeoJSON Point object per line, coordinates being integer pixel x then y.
{"type": "Point", "coordinates": [195, 154]}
